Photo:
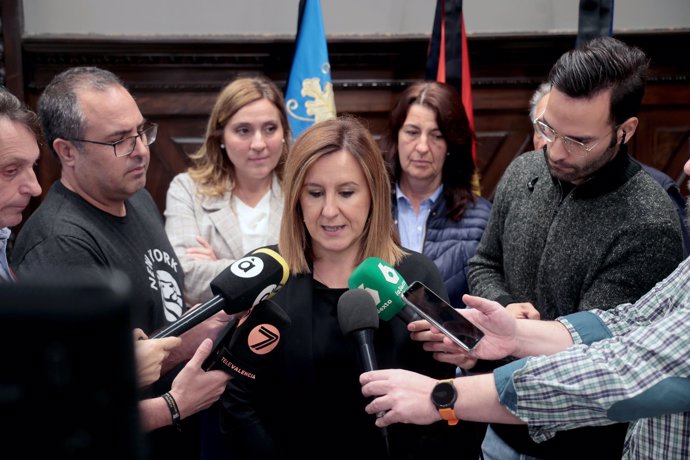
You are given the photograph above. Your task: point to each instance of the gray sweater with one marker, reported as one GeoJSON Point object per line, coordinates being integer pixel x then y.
{"type": "Point", "coordinates": [564, 249]}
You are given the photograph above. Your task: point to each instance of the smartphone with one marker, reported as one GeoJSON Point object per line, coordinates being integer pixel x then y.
{"type": "Point", "coordinates": [444, 317]}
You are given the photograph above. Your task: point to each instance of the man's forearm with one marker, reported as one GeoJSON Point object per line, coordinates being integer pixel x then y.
{"type": "Point", "coordinates": [154, 414]}
{"type": "Point", "coordinates": [478, 401]}
{"type": "Point", "coordinates": [541, 338]}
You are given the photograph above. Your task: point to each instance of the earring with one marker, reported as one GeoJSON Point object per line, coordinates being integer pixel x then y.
{"type": "Point", "coordinates": [222, 146]}
{"type": "Point", "coordinates": [447, 154]}
{"type": "Point", "coordinates": [283, 140]}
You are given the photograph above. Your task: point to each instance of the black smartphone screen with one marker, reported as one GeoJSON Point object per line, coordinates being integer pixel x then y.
{"type": "Point", "coordinates": [439, 313]}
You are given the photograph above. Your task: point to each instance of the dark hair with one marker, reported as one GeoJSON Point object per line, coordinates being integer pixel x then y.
{"type": "Point", "coordinates": [601, 64]}
{"type": "Point", "coordinates": [14, 110]}
{"type": "Point", "coordinates": [458, 168]}
{"type": "Point", "coordinates": [58, 109]}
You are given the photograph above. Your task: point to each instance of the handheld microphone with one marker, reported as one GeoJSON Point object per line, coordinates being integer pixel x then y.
{"type": "Point", "coordinates": [242, 285]}
{"type": "Point", "coordinates": [385, 285]}
{"type": "Point", "coordinates": [358, 318]}
{"type": "Point", "coordinates": [250, 344]}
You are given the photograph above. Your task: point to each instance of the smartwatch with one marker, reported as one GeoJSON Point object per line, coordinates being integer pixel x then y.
{"type": "Point", "coordinates": [443, 396]}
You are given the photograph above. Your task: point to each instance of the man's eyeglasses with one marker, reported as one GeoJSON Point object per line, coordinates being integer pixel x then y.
{"type": "Point", "coordinates": [571, 145]}
{"type": "Point", "coordinates": [126, 146]}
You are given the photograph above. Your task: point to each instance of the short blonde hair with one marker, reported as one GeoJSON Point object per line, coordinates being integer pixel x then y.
{"type": "Point", "coordinates": [379, 238]}
{"type": "Point", "coordinates": [211, 168]}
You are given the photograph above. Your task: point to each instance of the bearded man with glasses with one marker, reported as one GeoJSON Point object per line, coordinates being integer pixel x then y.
{"type": "Point", "coordinates": [577, 225]}
{"type": "Point", "coordinates": [98, 216]}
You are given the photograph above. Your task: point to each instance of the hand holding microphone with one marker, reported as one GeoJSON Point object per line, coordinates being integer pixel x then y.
{"type": "Point", "coordinates": [149, 355]}
{"type": "Point", "coordinates": [193, 390]}
{"type": "Point", "coordinates": [241, 286]}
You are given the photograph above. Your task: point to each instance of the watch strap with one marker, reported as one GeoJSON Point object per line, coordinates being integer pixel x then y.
{"type": "Point", "coordinates": [448, 414]}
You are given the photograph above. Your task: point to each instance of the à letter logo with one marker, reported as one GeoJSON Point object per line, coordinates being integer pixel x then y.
{"type": "Point", "coordinates": [247, 267]}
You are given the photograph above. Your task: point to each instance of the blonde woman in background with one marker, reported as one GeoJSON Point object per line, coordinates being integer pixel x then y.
{"type": "Point", "coordinates": [230, 201]}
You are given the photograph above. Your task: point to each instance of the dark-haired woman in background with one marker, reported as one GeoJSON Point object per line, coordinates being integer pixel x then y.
{"type": "Point", "coordinates": [430, 157]}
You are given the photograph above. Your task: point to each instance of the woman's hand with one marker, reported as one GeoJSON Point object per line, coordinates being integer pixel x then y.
{"type": "Point", "coordinates": [202, 252]}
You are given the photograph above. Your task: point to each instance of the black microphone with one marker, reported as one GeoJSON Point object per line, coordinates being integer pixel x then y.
{"type": "Point", "coordinates": [359, 319]}
{"type": "Point", "coordinates": [245, 283]}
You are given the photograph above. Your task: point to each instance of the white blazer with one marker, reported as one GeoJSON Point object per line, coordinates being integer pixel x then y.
{"type": "Point", "coordinates": [189, 214]}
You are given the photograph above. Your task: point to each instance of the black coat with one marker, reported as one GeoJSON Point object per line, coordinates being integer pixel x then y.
{"type": "Point", "coordinates": [310, 403]}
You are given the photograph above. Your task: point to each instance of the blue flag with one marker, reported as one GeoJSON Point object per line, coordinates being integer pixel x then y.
{"type": "Point", "coordinates": [309, 97]}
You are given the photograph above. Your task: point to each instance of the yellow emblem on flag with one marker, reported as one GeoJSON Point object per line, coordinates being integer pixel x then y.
{"type": "Point", "coordinates": [322, 104]}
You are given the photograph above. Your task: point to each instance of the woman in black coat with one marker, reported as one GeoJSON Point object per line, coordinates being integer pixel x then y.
{"type": "Point", "coordinates": [309, 403]}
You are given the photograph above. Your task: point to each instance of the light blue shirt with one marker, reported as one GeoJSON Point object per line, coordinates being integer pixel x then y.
{"type": "Point", "coordinates": [412, 226]}
{"type": "Point", "coordinates": [5, 272]}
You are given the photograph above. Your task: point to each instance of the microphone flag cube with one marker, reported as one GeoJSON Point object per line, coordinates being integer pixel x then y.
{"type": "Point", "coordinates": [250, 345]}
{"type": "Point", "coordinates": [383, 283]}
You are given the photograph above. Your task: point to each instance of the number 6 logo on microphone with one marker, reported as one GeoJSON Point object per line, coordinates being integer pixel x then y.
{"type": "Point", "coordinates": [389, 273]}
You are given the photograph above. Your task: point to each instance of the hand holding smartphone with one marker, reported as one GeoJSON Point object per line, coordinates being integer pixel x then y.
{"type": "Point", "coordinates": [444, 317]}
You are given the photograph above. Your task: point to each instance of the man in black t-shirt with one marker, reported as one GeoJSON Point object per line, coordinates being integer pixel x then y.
{"type": "Point", "coordinates": [99, 216]}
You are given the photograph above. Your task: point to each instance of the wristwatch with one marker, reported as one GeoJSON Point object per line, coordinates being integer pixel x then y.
{"type": "Point", "coordinates": [443, 396]}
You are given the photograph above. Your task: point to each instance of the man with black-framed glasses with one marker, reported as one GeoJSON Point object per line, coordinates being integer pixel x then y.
{"type": "Point", "coordinates": [125, 146]}
{"type": "Point", "coordinates": [99, 216]}
{"type": "Point", "coordinates": [577, 225]}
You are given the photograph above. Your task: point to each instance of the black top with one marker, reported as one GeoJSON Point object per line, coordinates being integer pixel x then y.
{"type": "Point", "coordinates": [310, 403]}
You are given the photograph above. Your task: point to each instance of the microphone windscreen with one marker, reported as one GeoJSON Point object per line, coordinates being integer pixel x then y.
{"type": "Point", "coordinates": [383, 283]}
{"type": "Point", "coordinates": [357, 311]}
{"type": "Point", "coordinates": [251, 279]}
{"type": "Point", "coordinates": [249, 348]}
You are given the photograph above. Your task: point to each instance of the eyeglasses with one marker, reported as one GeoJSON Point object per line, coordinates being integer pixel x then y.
{"type": "Point", "coordinates": [571, 145]}
{"type": "Point", "coordinates": [126, 146]}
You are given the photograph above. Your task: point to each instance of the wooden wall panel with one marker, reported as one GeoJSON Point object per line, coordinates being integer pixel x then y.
{"type": "Point", "coordinates": [176, 80]}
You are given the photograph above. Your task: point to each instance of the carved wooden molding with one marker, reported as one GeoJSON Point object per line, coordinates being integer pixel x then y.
{"type": "Point", "coordinates": [506, 61]}
{"type": "Point", "coordinates": [175, 81]}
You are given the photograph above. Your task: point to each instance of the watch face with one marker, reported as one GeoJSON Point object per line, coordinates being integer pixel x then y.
{"type": "Point", "coordinates": [444, 394]}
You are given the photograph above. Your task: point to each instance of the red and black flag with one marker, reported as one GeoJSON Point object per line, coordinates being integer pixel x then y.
{"type": "Point", "coordinates": [448, 59]}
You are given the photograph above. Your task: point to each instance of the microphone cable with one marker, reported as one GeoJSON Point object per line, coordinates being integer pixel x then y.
{"type": "Point", "coordinates": [386, 442]}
